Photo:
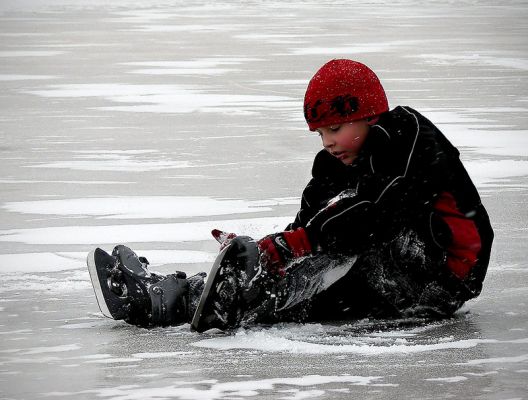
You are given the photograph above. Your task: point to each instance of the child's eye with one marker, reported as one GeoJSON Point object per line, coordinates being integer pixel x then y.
{"type": "Point", "coordinates": [327, 130]}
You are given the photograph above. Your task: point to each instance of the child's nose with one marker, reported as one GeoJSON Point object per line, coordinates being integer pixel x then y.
{"type": "Point", "coordinates": [328, 141]}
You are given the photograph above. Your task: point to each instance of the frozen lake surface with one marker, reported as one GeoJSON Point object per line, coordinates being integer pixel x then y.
{"type": "Point", "coordinates": [151, 124]}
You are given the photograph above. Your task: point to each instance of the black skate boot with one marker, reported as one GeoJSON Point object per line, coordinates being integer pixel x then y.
{"type": "Point", "coordinates": [240, 292]}
{"type": "Point", "coordinates": [237, 287]}
{"type": "Point", "coordinates": [125, 289]}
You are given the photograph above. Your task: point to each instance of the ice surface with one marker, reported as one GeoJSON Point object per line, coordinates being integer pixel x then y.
{"type": "Point", "coordinates": [17, 77]}
{"type": "Point", "coordinates": [30, 53]}
{"type": "Point", "coordinates": [360, 48]}
{"type": "Point", "coordinates": [499, 360]}
{"type": "Point", "coordinates": [232, 389]}
{"type": "Point", "coordinates": [485, 171]}
{"type": "Point", "coordinates": [40, 262]}
{"type": "Point", "coordinates": [166, 232]}
{"type": "Point", "coordinates": [150, 123]}
{"type": "Point", "coordinates": [51, 262]}
{"type": "Point", "coordinates": [268, 341]}
{"type": "Point", "coordinates": [50, 349]}
{"type": "Point", "coordinates": [451, 379]}
{"type": "Point", "coordinates": [205, 66]}
{"type": "Point", "coordinates": [475, 59]}
{"type": "Point", "coordinates": [167, 98]}
{"type": "Point", "coordinates": [138, 207]}
{"type": "Point", "coordinates": [123, 165]}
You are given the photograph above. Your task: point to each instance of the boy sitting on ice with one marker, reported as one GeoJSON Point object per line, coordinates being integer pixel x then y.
{"type": "Point", "coordinates": [390, 225]}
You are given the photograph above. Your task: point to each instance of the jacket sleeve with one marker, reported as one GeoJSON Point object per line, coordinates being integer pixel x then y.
{"type": "Point", "coordinates": [306, 211]}
{"type": "Point", "coordinates": [405, 171]}
{"type": "Point", "coordinates": [327, 181]}
{"type": "Point", "coordinates": [314, 197]}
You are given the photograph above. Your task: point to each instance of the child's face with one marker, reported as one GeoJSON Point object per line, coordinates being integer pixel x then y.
{"type": "Point", "coordinates": [344, 141]}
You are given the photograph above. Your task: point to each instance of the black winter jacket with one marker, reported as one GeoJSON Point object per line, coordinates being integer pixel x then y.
{"type": "Point", "coordinates": [403, 167]}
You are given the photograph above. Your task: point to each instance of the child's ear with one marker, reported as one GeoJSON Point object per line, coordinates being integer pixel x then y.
{"type": "Point", "coordinates": [372, 120]}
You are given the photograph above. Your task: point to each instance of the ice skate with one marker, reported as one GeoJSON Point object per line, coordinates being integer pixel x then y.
{"type": "Point", "coordinates": [241, 292]}
{"type": "Point", "coordinates": [126, 290]}
{"type": "Point", "coordinates": [237, 286]}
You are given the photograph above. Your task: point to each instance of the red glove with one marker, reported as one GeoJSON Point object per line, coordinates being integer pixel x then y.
{"type": "Point", "coordinates": [224, 238]}
{"type": "Point", "coordinates": [279, 248]}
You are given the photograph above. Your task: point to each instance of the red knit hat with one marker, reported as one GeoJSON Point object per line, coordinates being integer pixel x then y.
{"type": "Point", "coordinates": [343, 91]}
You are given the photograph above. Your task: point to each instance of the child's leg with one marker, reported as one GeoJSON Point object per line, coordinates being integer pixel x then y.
{"type": "Point", "coordinates": [414, 277]}
{"type": "Point", "coordinates": [401, 277]}
{"type": "Point", "coordinates": [241, 291]}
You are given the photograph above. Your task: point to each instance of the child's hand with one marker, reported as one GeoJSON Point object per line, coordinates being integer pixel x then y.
{"type": "Point", "coordinates": [279, 248]}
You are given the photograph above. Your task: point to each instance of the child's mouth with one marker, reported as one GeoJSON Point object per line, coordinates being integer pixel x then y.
{"type": "Point", "coordinates": [340, 155]}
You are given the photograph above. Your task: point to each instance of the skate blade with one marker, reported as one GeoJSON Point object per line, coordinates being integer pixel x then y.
{"type": "Point", "coordinates": [94, 277]}
{"type": "Point", "coordinates": [198, 324]}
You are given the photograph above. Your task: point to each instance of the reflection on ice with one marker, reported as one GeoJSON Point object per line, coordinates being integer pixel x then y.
{"type": "Point", "coordinates": [451, 379]}
{"type": "Point", "coordinates": [484, 172]}
{"type": "Point", "coordinates": [209, 28]}
{"type": "Point", "coordinates": [116, 160]}
{"type": "Point", "coordinates": [30, 53]}
{"type": "Point", "coordinates": [28, 263]}
{"type": "Point", "coordinates": [154, 233]}
{"type": "Point", "coordinates": [141, 207]}
{"type": "Point", "coordinates": [491, 59]}
{"type": "Point", "coordinates": [204, 66]}
{"type": "Point", "coordinates": [359, 48]}
{"type": "Point", "coordinates": [51, 349]}
{"type": "Point", "coordinates": [20, 77]}
{"type": "Point", "coordinates": [40, 262]}
{"type": "Point", "coordinates": [300, 387]}
{"type": "Point", "coordinates": [523, 358]}
{"type": "Point", "coordinates": [169, 98]}
{"type": "Point", "coordinates": [124, 164]}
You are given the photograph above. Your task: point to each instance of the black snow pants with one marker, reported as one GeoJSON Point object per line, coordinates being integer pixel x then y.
{"type": "Point", "coordinates": [401, 277]}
